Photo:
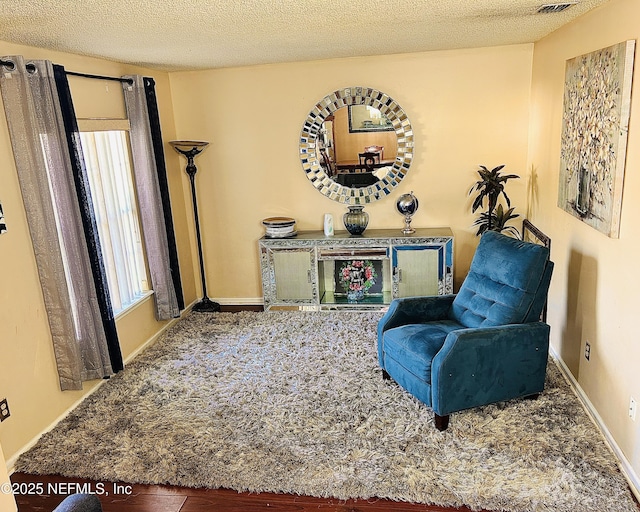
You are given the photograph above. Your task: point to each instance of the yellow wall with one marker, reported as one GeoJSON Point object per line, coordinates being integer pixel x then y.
{"type": "Point", "coordinates": [28, 378]}
{"type": "Point", "coordinates": [7, 501]}
{"type": "Point", "coordinates": [467, 107]}
{"type": "Point", "coordinates": [596, 284]}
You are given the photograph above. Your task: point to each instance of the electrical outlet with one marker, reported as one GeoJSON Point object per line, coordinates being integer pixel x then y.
{"type": "Point", "coordinates": [4, 409]}
{"type": "Point", "coordinates": [587, 350]}
{"type": "Point", "coordinates": [632, 409]}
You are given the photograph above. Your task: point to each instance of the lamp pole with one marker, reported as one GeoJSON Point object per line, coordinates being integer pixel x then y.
{"type": "Point", "coordinates": [190, 149]}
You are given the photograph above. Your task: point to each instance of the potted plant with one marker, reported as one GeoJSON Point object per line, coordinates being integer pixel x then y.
{"type": "Point", "coordinates": [491, 186]}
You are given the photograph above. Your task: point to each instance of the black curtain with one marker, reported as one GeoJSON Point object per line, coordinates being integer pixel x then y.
{"type": "Point", "coordinates": [156, 136]}
{"type": "Point", "coordinates": [88, 219]}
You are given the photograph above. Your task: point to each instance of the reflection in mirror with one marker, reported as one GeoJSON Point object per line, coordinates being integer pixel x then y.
{"type": "Point", "coordinates": [363, 118]}
{"type": "Point", "coordinates": [348, 151]}
{"type": "Point", "coordinates": [356, 145]}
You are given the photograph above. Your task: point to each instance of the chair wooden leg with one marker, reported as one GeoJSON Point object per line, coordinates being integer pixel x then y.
{"type": "Point", "coordinates": [442, 422]}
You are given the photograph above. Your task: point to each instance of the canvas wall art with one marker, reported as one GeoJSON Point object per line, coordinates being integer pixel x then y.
{"type": "Point", "coordinates": [595, 122]}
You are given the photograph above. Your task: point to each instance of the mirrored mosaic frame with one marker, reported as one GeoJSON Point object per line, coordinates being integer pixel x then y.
{"type": "Point", "coordinates": [311, 129]}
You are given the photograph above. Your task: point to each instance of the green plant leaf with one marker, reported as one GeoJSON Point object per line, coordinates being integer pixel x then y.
{"type": "Point", "coordinates": [491, 186]}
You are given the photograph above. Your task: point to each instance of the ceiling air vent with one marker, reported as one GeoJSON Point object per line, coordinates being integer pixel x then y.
{"type": "Point", "coordinates": [553, 8]}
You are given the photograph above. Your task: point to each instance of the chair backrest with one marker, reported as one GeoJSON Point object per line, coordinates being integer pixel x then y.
{"type": "Point", "coordinates": [367, 161]}
{"type": "Point", "coordinates": [507, 283]}
{"type": "Point", "coordinates": [375, 149]}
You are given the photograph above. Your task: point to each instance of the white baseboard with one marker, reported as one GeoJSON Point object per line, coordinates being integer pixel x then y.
{"type": "Point", "coordinates": [12, 461]}
{"type": "Point", "coordinates": [623, 462]}
{"type": "Point", "coordinates": [240, 301]}
{"type": "Point", "coordinates": [233, 301]}
{"type": "Point", "coordinates": [625, 466]}
{"type": "Point", "coordinates": [153, 338]}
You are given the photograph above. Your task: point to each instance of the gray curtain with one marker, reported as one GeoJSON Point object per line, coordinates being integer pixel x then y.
{"type": "Point", "coordinates": [46, 181]}
{"type": "Point", "coordinates": [150, 200]}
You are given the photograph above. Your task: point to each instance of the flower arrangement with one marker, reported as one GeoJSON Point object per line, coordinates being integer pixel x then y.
{"type": "Point", "coordinates": [357, 276]}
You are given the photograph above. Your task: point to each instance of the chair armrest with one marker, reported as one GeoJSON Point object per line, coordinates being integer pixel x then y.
{"type": "Point", "coordinates": [415, 310]}
{"type": "Point", "coordinates": [489, 364]}
{"type": "Point", "coordinates": [412, 310]}
{"type": "Point", "coordinates": [80, 503]}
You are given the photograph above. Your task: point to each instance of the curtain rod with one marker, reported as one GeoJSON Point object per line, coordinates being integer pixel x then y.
{"type": "Point", "coordinates": [100, 77]}
{"type": "Point", "coordinates": [7, 64]}
{"type": "Point", "coordinates": [129, 81]}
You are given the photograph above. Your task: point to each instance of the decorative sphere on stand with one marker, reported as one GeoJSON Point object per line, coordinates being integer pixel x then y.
{"type": "Point", "coordinates": [407, 205]}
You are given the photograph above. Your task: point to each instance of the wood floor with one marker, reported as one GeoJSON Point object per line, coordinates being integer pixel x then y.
{"type": "Point", "coordinates": [43, 493]}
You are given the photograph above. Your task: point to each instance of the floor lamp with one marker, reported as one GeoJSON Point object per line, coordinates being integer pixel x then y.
{"type": "Point", "coordinates": [191, 148]}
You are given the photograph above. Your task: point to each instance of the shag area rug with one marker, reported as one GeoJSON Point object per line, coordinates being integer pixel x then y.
{"type": "Point", "coordinates": [294, 402]}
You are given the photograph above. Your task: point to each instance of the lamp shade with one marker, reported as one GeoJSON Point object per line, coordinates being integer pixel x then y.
{"type": "Point", "coordinates": [188, 145]}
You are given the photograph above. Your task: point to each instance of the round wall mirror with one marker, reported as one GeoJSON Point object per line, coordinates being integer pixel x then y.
{"type": "Point", "coordinates": [356, 145]}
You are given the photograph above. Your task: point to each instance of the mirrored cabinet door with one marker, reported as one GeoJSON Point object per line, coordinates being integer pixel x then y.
{"type": "Point", "coordinates": [293, 274]}
{"type": "Point", "coordinates": [288, 275]}
{"type": "Point", "coordinates": [422, 269]}
{"type": "Point", "coordinates": [415, 271]}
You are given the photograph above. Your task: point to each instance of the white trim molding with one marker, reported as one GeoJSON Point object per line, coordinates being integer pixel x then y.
{"type": "Point", "coordinates": [12, 461]}
{"type": "Point", "coordinates": [624, 464]}
{"type": "Point", "coordinates": [240, 301]}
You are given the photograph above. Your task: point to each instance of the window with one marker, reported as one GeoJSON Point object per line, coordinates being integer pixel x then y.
{"type": "Point", "coordinates": [108, 159]}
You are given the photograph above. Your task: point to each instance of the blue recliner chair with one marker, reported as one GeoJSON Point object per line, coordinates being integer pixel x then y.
{"type": "Point", "coordinates": [80, 503]}
{"type": "Point", "coordinates": [485, 344]}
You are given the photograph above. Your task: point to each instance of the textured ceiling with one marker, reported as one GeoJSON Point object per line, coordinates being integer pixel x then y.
{"type": "Point", "coordinates": [198, 34]}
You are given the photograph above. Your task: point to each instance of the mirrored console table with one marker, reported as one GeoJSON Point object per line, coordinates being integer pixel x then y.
{"type": "Point", "coordinates": [309, 269]}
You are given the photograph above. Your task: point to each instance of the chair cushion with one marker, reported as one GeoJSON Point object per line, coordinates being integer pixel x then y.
{"type": "Point", "coordinates": [413, 346]}
{"type": "Point", "coordinates": [80, 503]}
{"type": "Point", "coordinates": [503, 280]}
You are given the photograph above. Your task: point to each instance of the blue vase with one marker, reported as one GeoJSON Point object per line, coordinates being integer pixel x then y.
{"type": "Point", "coordinates": [355, 295]}
{"type": "Point", "coordinates": [356, 219]}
